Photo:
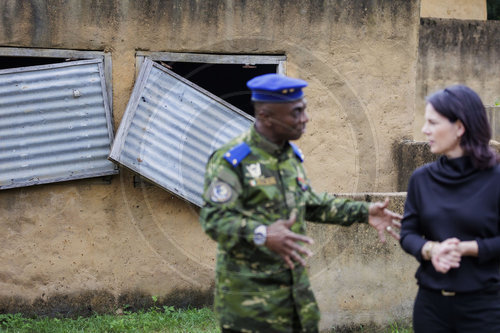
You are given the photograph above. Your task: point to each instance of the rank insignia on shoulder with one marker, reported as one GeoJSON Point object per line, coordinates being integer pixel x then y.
{"type": "Point", "coordinates": [220, 192]}
{"type": "Point", "coordinates": [302, 183]}
{"type": "Point", "coordinates": [236, 154]}
{"type": "Point", "coordinates": [297, 151]}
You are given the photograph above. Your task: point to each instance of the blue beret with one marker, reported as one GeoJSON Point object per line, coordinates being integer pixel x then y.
{"type": "Point", "coordinates": [273, 88]}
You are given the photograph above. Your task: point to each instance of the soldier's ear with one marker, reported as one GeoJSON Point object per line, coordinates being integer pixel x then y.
{"type": "Point", "coordinates": [266, 117]}
{"type": "Point", "coordinates": [260, 111]}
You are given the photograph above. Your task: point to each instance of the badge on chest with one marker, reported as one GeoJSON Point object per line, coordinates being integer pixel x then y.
{"type": "Point", "coordinates": [257, 179]}
{"type": "Point", "coordinates": [254, 170]}
{"type": "Point", "coordinates": [302, 183]}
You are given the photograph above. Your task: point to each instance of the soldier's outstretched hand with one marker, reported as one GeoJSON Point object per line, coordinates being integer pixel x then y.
{"type": "Point", "coordinates": [286, 243]}
{"type": "Point", "coordinates": [384, 220]}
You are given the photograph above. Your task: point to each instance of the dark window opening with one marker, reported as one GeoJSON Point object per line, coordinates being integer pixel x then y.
{"type": "Point", "coordinates": [14, 62]}
{"type": "Point", "coordinates": [226, 81]}
{"type": "Point", "coordinates": [493, 9]}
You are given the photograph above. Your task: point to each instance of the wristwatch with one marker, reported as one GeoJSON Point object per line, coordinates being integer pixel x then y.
{"type": "Point", "coordinates": [427, 250]}
{"type": "Point", "coordinates": [259, 235]}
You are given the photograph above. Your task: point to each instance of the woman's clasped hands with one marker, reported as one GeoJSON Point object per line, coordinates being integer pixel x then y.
{"type": "Point", "coordinates": [446, 255]}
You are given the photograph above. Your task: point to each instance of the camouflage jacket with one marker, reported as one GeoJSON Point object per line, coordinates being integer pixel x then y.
{"type": "Point", "coordinates": [249, 182]}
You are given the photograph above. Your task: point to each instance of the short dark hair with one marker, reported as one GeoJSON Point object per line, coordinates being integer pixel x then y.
{"type": "Point", "coordinates": [459, 102]}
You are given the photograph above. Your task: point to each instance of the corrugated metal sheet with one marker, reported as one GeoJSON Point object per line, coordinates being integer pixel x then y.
{"type": "Point", "coordinates": [170, 128]}
{"type": "Point", "coordinates": [55, 124]}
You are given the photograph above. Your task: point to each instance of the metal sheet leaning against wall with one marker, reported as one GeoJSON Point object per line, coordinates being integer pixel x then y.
{"type": "Point", "coordinates": [55, 124]}
{"type": "Point", "coordinates": [170, 128]}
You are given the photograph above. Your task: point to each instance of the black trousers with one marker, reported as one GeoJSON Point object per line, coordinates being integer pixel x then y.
{"type": "Point", "coordinates": [462, 313]}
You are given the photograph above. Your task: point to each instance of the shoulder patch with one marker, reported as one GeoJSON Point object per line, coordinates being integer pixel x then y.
{"type": "Point", "coordinates": [297, 151]}
{"type": "Point", "coordinates": [236, 154]}
{"type": "Point", "coordinates": [220, 192]}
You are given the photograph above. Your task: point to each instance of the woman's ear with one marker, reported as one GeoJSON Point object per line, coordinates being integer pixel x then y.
{"type": "Point", "coordinates": [460, 128]}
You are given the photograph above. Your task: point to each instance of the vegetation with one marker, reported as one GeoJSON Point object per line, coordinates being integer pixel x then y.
{"type": "Point", "coordinates": [372, 328]}
{"type": "Point", "coordinates": [167, 319]}
{"type": "Point", "coordinates": [156, 320]}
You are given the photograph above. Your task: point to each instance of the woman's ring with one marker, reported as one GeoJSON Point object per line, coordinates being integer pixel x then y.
{"type": "Point", "coordinates": [388, 228]}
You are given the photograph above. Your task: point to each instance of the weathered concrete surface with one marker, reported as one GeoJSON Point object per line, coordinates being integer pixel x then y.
{"type": "Point", "coordinates": [88, 244]}
{"type": "Point", "coordinates": [358, 279]}
{"type": "Point", "coordinates": [409, 155]}
{"type": "Point", "coordinates": [457, 52]}
{"type": "Point", "coordinates": [454, 9]}
{"type": "Point", "coordinates": [75, 241]}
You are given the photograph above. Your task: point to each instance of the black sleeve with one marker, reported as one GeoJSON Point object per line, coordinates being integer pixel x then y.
{"type": "Point", "coordinates": [411, 234]}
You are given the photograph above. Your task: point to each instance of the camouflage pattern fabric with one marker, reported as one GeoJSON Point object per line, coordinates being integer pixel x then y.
{"type": "Point", "coordinates": [255, 289]}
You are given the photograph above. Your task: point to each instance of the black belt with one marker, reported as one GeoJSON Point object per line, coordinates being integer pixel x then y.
{"type": "Point", "coordinates": [448, 293]}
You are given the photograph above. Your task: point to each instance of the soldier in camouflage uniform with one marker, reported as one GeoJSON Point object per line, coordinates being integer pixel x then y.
{"type": "Point", "coordinates": [257, 199]}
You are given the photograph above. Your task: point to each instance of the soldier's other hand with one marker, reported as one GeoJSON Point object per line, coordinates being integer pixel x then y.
{"type": "Point", "coordinates": [286, 243]}
{"type": "Point", "coordinates": [384, 220]}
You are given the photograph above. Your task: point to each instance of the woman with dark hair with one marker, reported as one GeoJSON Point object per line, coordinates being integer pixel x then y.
{"type": "Point", "coordinates": [451, 222]}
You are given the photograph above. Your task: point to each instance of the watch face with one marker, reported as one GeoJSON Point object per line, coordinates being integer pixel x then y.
{"type": "Point", "coordinates": [259, 238]}
{"type": "Point", "coordinates": [259, 235]}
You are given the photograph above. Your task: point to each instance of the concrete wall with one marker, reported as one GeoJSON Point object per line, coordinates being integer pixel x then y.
{"type": "Point", "coordinates": [87, 245]}
{"type": "Point", "coordinates": [457, 51]}
{"type": "Point", "coordinates": [494, 118]}
{"type": "Point", "coordinates": [456, 9]}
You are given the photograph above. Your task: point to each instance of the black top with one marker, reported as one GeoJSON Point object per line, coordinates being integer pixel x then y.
{"type": "Point", "coordinates": [450, 198]}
